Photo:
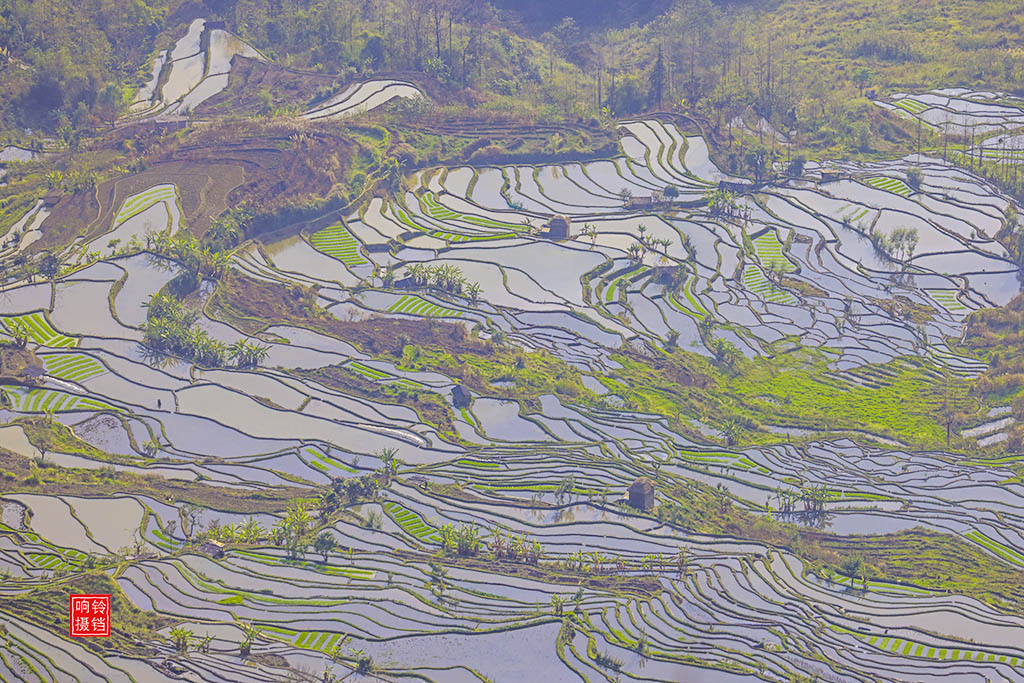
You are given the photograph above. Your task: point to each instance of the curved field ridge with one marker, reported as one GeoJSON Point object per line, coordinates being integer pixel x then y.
{"type": "Point", "coordinates": [770, 251]}
{"type": "Point", "coordinates": [755, 280]}
{"type": "Point", "coordinates": [188, 74]}
{"type": "Point", "coordinates": [362, 97]}
{"type": "Point", "coordinates": [138, 203]}
{"type": "Point", "coordinates": [960, 111]}
{"type": "Point", "coordinates": [156, 210]}
{"type": "Point", "coordinates": [890, 185]}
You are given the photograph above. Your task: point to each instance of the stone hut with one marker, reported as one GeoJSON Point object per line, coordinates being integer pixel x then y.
{"type": "Point", "coordinates": [641, 494]}
{"type": "Point", "coordinates": [212, 548]}
{"type": "Point", "coordinates": [558, 227]}
{"type": "Point", "coordinates": [460, 397]}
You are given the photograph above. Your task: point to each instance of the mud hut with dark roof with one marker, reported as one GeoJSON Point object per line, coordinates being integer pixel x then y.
{"type": "Point", "coordinates": [558, 227]}
{"type": "Point", "coordinates": [460, 397]}
{"type": "Point", "coordinates": [641, 494]}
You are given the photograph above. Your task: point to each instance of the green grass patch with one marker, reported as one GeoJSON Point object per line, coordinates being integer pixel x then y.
{"type": "Point", "coordinates": [769, 251]}
{"type": "Point", "coordinates": [1003, 551]}
{"type": "Point", "coordinates": [478, 464]}
{"type": "Point", "coordinates": [430, 206]}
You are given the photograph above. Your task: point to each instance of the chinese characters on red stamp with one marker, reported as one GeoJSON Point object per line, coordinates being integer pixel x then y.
{"type": "Point", "coordinates": [89, 615]}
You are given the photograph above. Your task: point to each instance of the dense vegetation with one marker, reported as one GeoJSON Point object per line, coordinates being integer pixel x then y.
{"type": "Point", "coordinates": [68, 64]}
{"type": "Point", "coordinates": [803, 66]}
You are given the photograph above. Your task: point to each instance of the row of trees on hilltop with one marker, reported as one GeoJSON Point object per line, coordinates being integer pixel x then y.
{"type": "Point", "coordinates": [446, 38]}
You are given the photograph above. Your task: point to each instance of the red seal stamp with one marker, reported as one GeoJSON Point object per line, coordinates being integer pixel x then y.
{"type": "Point", "coordinates": [89, 616]}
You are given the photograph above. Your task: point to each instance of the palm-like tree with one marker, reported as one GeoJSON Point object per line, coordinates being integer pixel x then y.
{"type": "Point", "coordinates": [237, 350]}
{"type": "Point", "coordinates": [635, 250]}
{"type": "Point", "coordinates": [218, 263]}
{"type": "Point", "coordinates": [731, 430]}
{"type": "Point", "coordinates": [324, 544]}
{"type": "Point", "coordinates": [251, 633]}
{"type": "Point", "coordinates": [252, 531]}
{"type": "Point", "coordinates": [419, 273]}
{"type": "Point", "coordinates": [556, 604]}
{"type": "Point", "coordinates": [246, 354]}
{"type": "Point", "coordinates": [499, 544]}
{"type": "Point", "coordinates": [535, 550]}
{"type": "Point", "coordinates": [691, 251]}
{"type": "Point", "coordinates": [394, 173]}
{"type": "Point", "coordinates": [259, 353]}
{"type": "Point", "coordinates": [590, 230]}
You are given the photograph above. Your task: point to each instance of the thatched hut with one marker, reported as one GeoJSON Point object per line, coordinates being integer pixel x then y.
{"type": "Point", "coordinates": [644, 201]}
{"type": "Point", "coordinates": [212, 548]}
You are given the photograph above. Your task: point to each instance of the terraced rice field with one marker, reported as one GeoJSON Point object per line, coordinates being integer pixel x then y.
{"type": "Point", "coordinates": [190, 71]}
{"type": "Point", "coordinates": [337, 242]}
{"type": "Point", "coordinates": [414, 305]}
{"type": "Point", "coordinates": [138, 203]}
{"type": "Point", "coordinates": [616, 286]}
{"type": "Point", "coordinates": [993, 121]}
{"type": "Point", "coordinates": [362, 97]}
{"type": "Point", "coordinates": [449, 236]}
{"type": "Point", "coordinates": [757, 282]}
{"type": "Point", "coordinates": [911, 105]}
{"type": "Point", "coordinates": [578, 367]}
{"type": "Point", "coordinates": [430, 205]}
{"type": "Point", "coordinates": [44, 400]}
{"type": "Point", "coordinates": [39, 330]}
{"type": "Point", "coordinates": [690, 305]}
{"type": "Point", "coordinates": [948, 299]}
{"type": "Point", "coordinates": [412, 523]}
{"type": "Point", "coordinates": [769, 251]}
{"type": "Point", "coordinates": [73, 367]}
{"type": "Point", "coordinates": [890, 185]}
{"type": "Point", "coordinates": [996, 547]}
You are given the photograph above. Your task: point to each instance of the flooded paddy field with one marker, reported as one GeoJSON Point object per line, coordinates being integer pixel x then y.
{"type": "Point", "coordinates": [429, 454]}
